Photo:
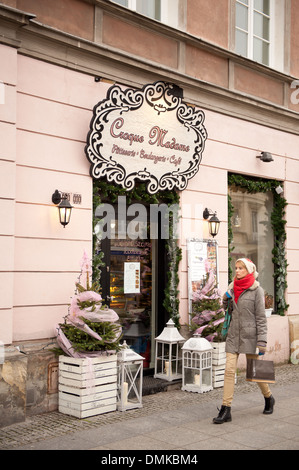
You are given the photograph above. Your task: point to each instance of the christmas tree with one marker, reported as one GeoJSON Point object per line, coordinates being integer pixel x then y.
{"type": "Point", "coordinates": [90, 329]}
{"type": "Point", "coordinates": [207, 314]}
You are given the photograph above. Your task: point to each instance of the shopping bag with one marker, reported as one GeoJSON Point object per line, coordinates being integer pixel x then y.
{"type": "Point", "coordinates": [260, 371]}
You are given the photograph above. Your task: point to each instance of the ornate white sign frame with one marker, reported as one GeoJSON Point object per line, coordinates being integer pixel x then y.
{"type": "Point", "coordinates": [149, 135]}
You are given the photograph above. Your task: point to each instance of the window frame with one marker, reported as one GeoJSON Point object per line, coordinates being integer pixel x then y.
{"type": "Point", "coordinates": [166, 6]}
{"type": "Point", "coordinates": [250, 32]}
{"type": "Point", "coordinates": [132, 5]}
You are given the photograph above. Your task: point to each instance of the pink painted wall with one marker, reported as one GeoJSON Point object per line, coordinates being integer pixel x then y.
{"type": "Point", "coordinates": [43, 128]}
{"type": "Point", "coordinates": [8, 79]}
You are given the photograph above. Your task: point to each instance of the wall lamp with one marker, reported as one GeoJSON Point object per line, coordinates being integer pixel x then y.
{"type": "Point", "coordinates": [64, 207]}
{"type": "Point", "coordinates": [265, 157]}
{"type": "Point", "coordinates": [176, 91]}
{"type": "Point", "coordinates": [214, 222]}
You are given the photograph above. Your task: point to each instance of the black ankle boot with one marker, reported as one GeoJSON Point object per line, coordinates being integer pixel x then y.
{"type": "Point", "coordinates": [269, 405]}
{"type": "Point", "coordinates": [224, 415]}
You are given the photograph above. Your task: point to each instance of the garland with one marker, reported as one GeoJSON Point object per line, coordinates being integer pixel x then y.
{"type": "Point", "coordinates": [278, 222]}
{"type": "Point", "coordinates": [102, 191]}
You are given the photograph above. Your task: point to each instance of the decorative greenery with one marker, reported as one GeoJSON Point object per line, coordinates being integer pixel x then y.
{"type": "Point", "coordinates": [104, 191]}
{"type": "Point", "coordinates": [278, 222]}
{"type": "Point", "coordinates": [82, 341]}
{"type": "Point", "coordinates": [89, 327]}
{"type": "Point", "coordinates": [207, 315]}
{"type": "Point", "coordinates": [231, 248]}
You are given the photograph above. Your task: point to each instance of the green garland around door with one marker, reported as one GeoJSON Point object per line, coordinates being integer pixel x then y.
{"type": "Point", "coordinates": [104, 191]}
{"type": "Point", "coordinates": [278, 222]}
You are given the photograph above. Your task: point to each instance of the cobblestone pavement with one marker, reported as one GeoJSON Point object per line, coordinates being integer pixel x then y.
{"type": "Point", "coordinates": [55, 424]}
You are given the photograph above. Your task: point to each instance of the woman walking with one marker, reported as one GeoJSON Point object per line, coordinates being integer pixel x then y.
{"type": "Point", "coordinates": [246, 333]}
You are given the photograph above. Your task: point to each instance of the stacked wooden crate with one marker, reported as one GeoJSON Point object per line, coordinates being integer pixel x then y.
{"type": "Point", "coordinates": [218, 364]}
{"type": "Point", "coordinates": [87, 387]}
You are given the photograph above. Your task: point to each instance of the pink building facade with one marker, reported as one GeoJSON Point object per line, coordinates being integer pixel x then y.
{"type": "Point", "coordinates": [47, 95]}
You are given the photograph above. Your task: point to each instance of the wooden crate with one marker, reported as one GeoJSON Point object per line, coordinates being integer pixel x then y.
{"type": "Point", "coordinates": [218, 364]}
{"type": "Point", "coordinates": [218, 376]}
{"type": "Point", "coordinates": [87, 387]}
{"type": "Point", "coordinates": [218, 354]}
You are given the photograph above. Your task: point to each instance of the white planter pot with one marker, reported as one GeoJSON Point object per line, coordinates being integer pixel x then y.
{"type": "Point", "coordinates": [268, 312]}
{"type": "Point", "coordinates": [87, 387]}
{"type": "Point", "coordinates": [218, 364]}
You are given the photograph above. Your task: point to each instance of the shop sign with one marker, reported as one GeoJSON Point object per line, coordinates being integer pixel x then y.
{"type": "Point", "coordinates": [149, 135]}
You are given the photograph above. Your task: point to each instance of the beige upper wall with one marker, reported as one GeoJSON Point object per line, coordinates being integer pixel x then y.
{"type": "Point", "coordinates": [206, 40]}
{"type": "Point", "coordinates": [209, 20]}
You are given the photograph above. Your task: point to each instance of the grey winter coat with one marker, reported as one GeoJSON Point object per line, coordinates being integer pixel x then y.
{"type": "Point", "coordinates": [248, 323]}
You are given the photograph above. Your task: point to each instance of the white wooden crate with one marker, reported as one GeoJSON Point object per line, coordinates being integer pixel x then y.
{"type": "Point", "coordinates": [81, 365]}
{"type": "Point", "coordinates": [78, 381]}
{"type": "Point", "coordinates": [86, 413]}
{"type": "Point", "coordinates": [101, 399]}
{"type": "Point", "coordinates": [218, 353]}
{"type": "Point", "coordinates": [218, 364]}
{"type": "Point", "coordinates": [87, 387]}
{"type": "Point", "coordinates": [218, 376]}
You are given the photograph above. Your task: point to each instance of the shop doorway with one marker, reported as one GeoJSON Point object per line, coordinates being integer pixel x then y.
{"type": "Point", "coordinates": [133, 281]}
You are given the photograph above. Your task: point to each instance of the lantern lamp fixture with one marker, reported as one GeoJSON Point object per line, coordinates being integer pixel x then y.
{"type": "Point", "coordinates": [130, 377]}
{"type": "Point", "coordinates": [64, 207]}
{"type": "Point", "coordinates": [176, 91]}
{"type": "Point", "coordinates": [265, 157]}
{"type": "Point", "coordinates": [279, 189]}
{"type": "Point", "coordinates": [214, 222]}
{"type": "Point", "coordinates": [197, 365]}
{"type": "Point", "coordinates": [168, 361]}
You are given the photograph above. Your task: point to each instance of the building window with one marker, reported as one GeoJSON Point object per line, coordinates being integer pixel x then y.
{"type": "Point", "coordinates": [253, 29]}
{"type": "Point", "coordinates": [150, 8]}
{"type": "Point", "coordinates": [165, 11]}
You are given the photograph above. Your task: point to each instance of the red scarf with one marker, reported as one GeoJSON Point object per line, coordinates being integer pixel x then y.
{"type": "Point", "coordinates": [242, 284]}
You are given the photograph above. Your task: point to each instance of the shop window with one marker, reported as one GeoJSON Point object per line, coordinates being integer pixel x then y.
{"type": "Point", "coordinates": [252, 232]}
{"type": "Point", "coordinates": [160, 10]}
{"type": "Point", "coordinates": [257, 230]}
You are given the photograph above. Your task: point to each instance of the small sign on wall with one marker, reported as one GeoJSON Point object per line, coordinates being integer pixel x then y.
{"type": "Point", "coordinates": [149, 135]}
{"type": "Point", "coordinates": [132, 278]}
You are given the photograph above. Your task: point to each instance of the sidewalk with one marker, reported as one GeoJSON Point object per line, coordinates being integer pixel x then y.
{"type": "Point", "coordinates": [173, 421]}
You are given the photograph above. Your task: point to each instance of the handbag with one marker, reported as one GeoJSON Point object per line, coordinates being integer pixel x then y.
{"type": "Point", "coordinates": [226, 323]}
{"type": "Point", "coordinates": [260, 371]}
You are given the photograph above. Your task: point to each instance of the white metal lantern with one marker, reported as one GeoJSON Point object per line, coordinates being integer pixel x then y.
{"type": "Point", "coordinates": [168, 361]}
{"type": "Point", "coordinates": [130, 378]}
{"type": "Point", "coordinates": [197, 365]}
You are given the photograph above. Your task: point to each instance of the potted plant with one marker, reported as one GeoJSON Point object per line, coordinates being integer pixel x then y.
{"type": "Point", "coordinates": [207, 319]}
{"type": "Point", "coordinates": [88, 341]}
{"type": "Point", "coordinates": [268, 304]}
{"type": "Point", "coordinates": [207, 314]}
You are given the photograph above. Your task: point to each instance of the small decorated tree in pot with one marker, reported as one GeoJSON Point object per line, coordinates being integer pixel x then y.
{"type": "Point", "coordinates": [207, 319]}
{"type": "Point", "coordinates": [207, 314]}
{"type": "Point", "coordinates": [90, 329]}
{"type": "Point", "coordinates": [88, 341]}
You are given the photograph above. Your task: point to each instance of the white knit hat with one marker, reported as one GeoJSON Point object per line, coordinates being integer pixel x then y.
{"type": "Point", "coordinates": [250, 266]}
